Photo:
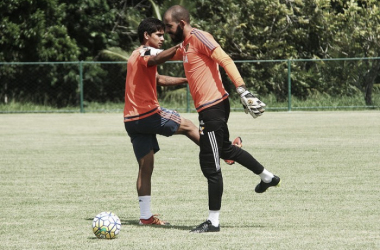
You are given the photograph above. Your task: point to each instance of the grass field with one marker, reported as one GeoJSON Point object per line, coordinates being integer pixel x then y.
{"type": "Point", "coordinates": [59, 170]}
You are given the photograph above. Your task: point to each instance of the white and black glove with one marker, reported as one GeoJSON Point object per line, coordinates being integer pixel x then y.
{"type": "Point", "coordinates": [251, 103]}
{"type": "Point", "coordinates": [150, 51]}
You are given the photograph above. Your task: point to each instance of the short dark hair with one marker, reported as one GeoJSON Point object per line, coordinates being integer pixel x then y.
{"type": "Point", "coordinates": [149, 25]}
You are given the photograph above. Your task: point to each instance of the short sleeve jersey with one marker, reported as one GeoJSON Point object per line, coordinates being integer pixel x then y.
{"type": "Point", "coordinates": [202, 72]}
{"type": "Point", "coordinates": [140, 88]}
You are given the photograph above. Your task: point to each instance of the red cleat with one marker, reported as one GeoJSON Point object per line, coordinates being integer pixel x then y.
{"type": "Point", "coordinates": [153, 221]}
{"type": "Point", "coordinates": [238, 142]}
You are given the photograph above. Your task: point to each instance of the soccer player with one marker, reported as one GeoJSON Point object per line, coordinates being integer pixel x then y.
{"type": "Point", "coordinates": [143, 116]}
{"type": "Point", "coordinates": [201, 55]}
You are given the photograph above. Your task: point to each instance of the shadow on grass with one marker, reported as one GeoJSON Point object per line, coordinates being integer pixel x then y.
{"type": "Point", "coordinates": [135, 222]}
{"type": "Point", "coordinates": [93, 238]}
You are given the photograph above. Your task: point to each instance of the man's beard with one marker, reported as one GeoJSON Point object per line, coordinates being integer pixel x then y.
{"type": "Point", "coordinates": [178, 35]}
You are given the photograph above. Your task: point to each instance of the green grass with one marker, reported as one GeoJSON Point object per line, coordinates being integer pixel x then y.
{"type": "Point", "coordinates": [28, 107]}
{"type": "Point", "coordinates": [59, 170]}
{"type": "Point", "coordinates": [177, 100]}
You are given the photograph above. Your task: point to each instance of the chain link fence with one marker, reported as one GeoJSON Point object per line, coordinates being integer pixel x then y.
{"type": "Point", "coordinates": [313, 84]}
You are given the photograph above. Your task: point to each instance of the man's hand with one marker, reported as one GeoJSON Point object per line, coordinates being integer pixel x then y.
{"type": "Point", "coordinates": [251, 103]}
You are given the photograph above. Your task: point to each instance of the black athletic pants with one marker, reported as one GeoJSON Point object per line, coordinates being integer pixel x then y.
{"type": "Point", "coordinates": [215, 144]}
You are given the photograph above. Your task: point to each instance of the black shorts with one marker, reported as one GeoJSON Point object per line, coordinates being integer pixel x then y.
{"type": "Point", "coordinates": [143, 132]}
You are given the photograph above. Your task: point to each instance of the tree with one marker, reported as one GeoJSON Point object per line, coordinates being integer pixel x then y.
{"type": "Point", "coordinates": [267, 30]}
{"type": "Point", "coordinates": [53, 31]}
{"type": "Point", "coordinates": [295, 29]}
{"type": "Point", "coordinates": [62, 30]}
{"type": "Point", "coordinates": [356, 33]}
{"type": "Point", "coordinates": [90, 23]}
{"type": "Point", "coordinates": [35, 31]}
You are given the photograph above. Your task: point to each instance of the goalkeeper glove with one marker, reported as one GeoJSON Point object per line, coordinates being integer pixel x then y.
{"type": "Point", "coordinates": [251, 103]}
{"type": "Point", "coordinates": [150, 51]}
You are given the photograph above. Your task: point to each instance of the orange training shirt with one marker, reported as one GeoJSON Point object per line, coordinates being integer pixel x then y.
{"type": "Point", "coordinates": [202, 72]}
{"type": "Point", "coordinates": [140, 88]}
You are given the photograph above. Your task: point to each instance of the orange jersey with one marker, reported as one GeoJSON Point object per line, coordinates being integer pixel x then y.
{"type": "Point", "coordinates": [202, 72]}
{"type": "Point", "coordinates": [140, 88]}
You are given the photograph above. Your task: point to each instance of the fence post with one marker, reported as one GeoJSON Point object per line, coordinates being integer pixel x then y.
{"type": "Point", "coordinates": [289, 86]}
{"type": "Point", "coordinates": [81, 86]}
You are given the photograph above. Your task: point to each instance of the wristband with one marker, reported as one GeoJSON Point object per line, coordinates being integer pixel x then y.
{"type": "Point", "coordinates": [241, 90]}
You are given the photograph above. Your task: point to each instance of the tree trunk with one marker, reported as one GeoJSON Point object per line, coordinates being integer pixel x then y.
{"type": "Point", "coordinates": [369, 80]}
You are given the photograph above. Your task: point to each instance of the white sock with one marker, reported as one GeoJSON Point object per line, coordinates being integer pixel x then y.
{"type": "Point", "coordinates": [213, 216]}
{"type": "Point", "coordinates": [266, 176]}
{"type": "Point", "coordinates": [144, 202]}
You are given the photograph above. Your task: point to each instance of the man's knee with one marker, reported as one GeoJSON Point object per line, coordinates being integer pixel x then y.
{"type": "Point", "coordinates": [186, 126]}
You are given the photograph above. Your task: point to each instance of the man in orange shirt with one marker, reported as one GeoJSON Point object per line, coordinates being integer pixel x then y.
{"type": "Point", "coordinates": [201, 56]}
{"type": "Point", "coordinates": [143, 116]}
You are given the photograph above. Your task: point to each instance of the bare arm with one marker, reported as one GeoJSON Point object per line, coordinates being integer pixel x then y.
{"type": "Point", "coordinates": [163, 56]}
{"type": "Point", "coordinates": [170, 80]}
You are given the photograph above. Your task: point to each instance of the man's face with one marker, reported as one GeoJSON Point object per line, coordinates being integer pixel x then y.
{"type": "Point", "coordinates": [155, 39]}
{"type": "Point", "coordinates": [174, 29]}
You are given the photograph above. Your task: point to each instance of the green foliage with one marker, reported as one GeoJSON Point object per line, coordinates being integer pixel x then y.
{"type": "Point", "coordinates": [62, 30]}
{"type": "Point", "coordinates": [35, 31]}
{"type": "Point", "coordinates": [268, 29]}
{"type": "Point", "coordinates": [104, 82]}
{"type": "Point", "coordinates": [114, 54]}
{"type": "Point", "coordinates": [356, 34]}
{"type": "Point", "coordinates": [91, 22]}
{"type": "Point", "coordinates": [52, 30]}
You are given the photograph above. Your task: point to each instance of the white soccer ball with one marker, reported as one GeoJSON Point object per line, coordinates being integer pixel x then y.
{"type": "Point", "coordinates": [106, 225]}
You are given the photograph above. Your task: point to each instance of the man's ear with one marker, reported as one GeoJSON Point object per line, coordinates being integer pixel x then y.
{"type": "Point", "coordinates": [146, 35]}
{"type": "Point", "coordinates": [182, 23]}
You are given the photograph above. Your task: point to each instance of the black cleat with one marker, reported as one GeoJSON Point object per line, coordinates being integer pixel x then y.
{"type": "Point", "coordinates": [262, 186]}
{"type": "Point", "coordinates": [205, 227]}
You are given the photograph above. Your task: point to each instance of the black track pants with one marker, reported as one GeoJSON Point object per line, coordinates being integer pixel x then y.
{"type": "Point", "coordinates": [215, 144]}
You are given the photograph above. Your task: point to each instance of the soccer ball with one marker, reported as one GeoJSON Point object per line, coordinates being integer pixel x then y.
{"type": "Point", "coordinates": [106, 225]}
